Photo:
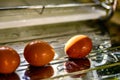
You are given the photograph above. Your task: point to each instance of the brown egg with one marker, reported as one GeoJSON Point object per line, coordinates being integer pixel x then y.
{"type": "Point", "coordinates": [38, 53]}
{"type": "Point", "coordinates": [78, 46]}
{"type": "Point", "coordinates": [9, 60]}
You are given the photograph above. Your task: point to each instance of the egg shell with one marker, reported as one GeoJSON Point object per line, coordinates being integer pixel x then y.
{"type": "Point", "coordinates": [78, 46]}
{"type": "Point", "coordinates": [38, 53]}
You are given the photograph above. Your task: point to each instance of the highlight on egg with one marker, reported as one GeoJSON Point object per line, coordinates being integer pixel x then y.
{"type": "Point", "coordinates": [38, 53]}
{"type": "Point", "coordinates": [78, 46]}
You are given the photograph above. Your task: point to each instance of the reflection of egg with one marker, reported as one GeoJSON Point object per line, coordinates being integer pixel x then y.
{"type": "Point", "coordinates": [38, 53]}
{"type": "Point", "coordinates": [78, 46]}
{"type": "Point", "coordinates": [73, 65]}
{"type": "Point", "coordinates": [11, 76]}
{"type": "Point", "coordinates": [38, 73]}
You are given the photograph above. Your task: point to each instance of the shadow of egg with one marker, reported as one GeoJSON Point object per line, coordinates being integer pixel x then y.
{"type": "Point", "coordinates": [37, 73]}
{"type": "Point", "coordinates": [73, 65]}
{"type": "Point", "coordinates": [11, 76]}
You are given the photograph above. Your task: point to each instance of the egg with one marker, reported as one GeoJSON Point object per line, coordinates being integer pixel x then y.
{"type": "Point", "coordinates": [78, 46]}
{"type": "Point", "coordinates": [9, 60]}
{"type": "Point", "coordinates": [38, 53]}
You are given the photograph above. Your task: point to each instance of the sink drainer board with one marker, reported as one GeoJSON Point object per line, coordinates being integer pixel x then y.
{"type": "Point", "coordinates": [56, 22]}
{"type": "Point", "coordinates": [102, 57]}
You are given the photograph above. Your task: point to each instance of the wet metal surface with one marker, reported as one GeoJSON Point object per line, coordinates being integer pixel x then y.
{"type": "Point", "coordinates": [17, 33]}
{"type": "Point", "coordinates": [57, 35]}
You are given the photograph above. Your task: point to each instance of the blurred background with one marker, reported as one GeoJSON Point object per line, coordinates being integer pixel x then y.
{"type": "Point", "coordinates": [24, 17]}
{"type": "Point", "coordinates": [114, 26]}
